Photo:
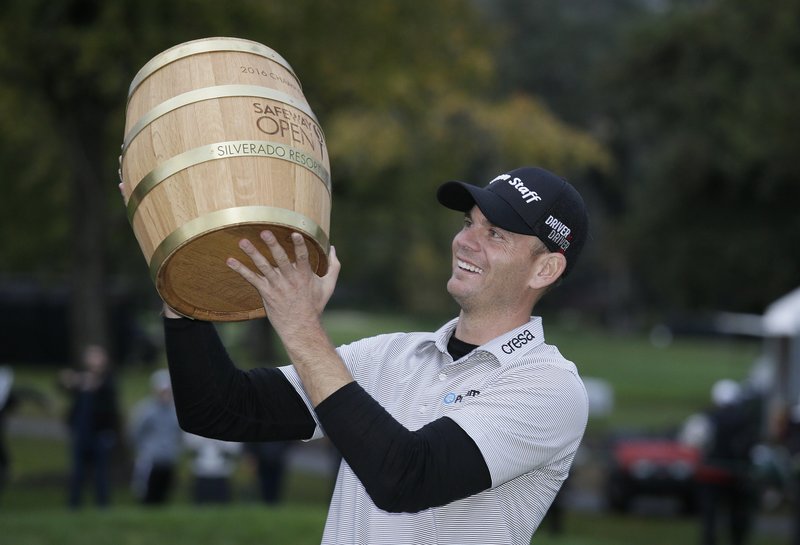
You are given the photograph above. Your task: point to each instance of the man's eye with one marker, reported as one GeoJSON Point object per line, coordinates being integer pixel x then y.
{"type": "Point", "coordinates": [495, 234]}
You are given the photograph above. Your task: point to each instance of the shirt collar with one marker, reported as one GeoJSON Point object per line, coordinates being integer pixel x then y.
{"type": "Point", "coordinates": [442, 335]}
{"type": "Point", "coordinates": [504, 348]}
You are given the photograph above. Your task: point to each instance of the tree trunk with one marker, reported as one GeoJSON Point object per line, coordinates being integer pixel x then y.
{"type": "Point", "coordinates": [88, 310]}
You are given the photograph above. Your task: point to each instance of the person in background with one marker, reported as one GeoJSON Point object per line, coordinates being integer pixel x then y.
{"type": "Point", "coordinates": [11, 396]}
{"type": "Point", "coordinates": [788, 428]}
{"type": "Point", "coordinates": [725, 434]}
{"type": "Point", "coordinates": [213, 464]}
{"type": "Point", "coordinates": [269, 460]}
{"type": "Point", "coordinates": [156, 437]}
{"type": "Point", "coordinates": [94, 423]}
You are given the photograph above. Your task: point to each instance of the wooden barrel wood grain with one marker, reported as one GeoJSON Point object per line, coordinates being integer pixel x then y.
{"type": "Point", "coordinates": [220, 143]}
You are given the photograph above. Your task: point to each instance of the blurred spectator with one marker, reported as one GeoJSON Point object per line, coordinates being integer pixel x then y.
{"type": "Point", "coordinates": [212, 466]}
{"type": "Point", "coordinates": [725, 434]}
{"type": "Point", "coordinates": [10, 398]}
{"type": "Point", "coordinates": [791, 436]}
{"type": "Point", "coordinates": [269, 459]}
{"type": "Point", "coordinates": [93, 422]}
{"type": "Point", "coordinates": [554, 518]}
{"type": "Point", "coordinates": [156, 437]}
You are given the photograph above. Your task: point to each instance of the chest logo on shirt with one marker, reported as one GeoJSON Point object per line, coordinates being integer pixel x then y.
{"type": "Point", "coordinates": [517, 342]}
{"type": "Point", "coordinates": [451, 398]}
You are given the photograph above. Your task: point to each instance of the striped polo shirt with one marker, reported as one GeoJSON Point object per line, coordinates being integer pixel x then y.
{"type": "Point", "coordinates": [518, 398]}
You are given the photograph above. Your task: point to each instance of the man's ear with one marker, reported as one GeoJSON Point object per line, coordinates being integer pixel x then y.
{"type": "Point", "coordinates": [547, 269]}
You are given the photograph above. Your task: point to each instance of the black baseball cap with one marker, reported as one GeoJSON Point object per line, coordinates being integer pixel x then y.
{"type": "Point", "coordinates": [529, 201]}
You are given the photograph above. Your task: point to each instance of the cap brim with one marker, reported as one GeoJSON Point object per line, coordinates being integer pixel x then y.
{"type": "Point", "coordinates": [462, 197]}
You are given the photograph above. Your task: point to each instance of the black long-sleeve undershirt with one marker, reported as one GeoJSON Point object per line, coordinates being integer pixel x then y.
{"type": "Point", "coordinates": [402, 470]}
{"type": "Point", "coordinates": [214, 398]}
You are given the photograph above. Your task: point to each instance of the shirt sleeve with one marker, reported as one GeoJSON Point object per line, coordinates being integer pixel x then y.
{"type": "Point", "coordinates": [213, 398]}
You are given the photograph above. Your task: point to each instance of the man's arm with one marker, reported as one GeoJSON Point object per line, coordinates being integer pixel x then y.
{"type": "Point", "coordinates": [294, 298]}
{"type": "Point", "coordinates": [400, 469]}
{"type": "Point", "coordinates": [215, 399]}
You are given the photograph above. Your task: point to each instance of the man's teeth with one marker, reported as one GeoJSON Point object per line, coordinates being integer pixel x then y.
{"type": "Point", "coordinates": [468, 267]}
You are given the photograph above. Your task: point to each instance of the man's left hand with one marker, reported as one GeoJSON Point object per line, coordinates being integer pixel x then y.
{"type": "Point", "coordinates": [292, 293]}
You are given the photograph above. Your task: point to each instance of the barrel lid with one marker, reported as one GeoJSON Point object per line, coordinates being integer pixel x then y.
{"type": "Point", "coordinates": [206, 45]}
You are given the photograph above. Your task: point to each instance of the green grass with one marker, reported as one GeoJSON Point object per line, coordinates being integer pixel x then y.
{"type": "Point", "coordinates": [173, 525]}
{"type": "Point", "coordinates": [654, 387]}
{"type": "Point", "coordinates": [292, 524]}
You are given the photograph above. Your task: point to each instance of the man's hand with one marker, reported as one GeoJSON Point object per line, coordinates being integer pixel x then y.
{"type": "Point", "coordinates": [169, 313]}
{"type": "Point", "coordinates": [292, 293]}
{"type": "Point", "coordinates": [294, 298]}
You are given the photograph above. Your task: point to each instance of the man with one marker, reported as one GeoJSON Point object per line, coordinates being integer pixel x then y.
{"type": "Point", "coordinates": [460, 436]}
{"type": "Point", "coordinates": [213, 465]}
{"type": "Point", "coordinates": [725, 490]}
{"type": "Point", "coordinates": [94, 423]}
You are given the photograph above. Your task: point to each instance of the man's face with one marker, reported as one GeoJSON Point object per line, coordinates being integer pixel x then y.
{"type": "Point", "coordinates": [492, 267]}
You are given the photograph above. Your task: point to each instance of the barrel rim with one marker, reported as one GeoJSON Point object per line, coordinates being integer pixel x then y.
{"type": "Point", "coordinates": [229, 217]}
{"type": "Point", "coordinates": [210, 152]}
{"type": "Point", "coordinates": [207, 45]}
{"type": "Point", "coordinates": [211, 93]}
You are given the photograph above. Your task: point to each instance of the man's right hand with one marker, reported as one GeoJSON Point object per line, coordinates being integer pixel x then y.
{"type": "Point", "coordinates": [169, 313]}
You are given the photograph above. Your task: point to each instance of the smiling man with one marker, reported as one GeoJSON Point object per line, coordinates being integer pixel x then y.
{"type": "Point", "coordinates": [463, 435]}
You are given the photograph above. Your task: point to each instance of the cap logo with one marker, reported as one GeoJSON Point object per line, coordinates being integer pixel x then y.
{"type": "Point", "coordinates": [559, 233]}
{"type": "Point", "coordinates": [528, 195]}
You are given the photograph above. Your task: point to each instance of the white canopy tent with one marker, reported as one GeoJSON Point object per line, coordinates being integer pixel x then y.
{"type": "Point", "coordinates": [781, 330]}
{"type": "Point", "coordinates": [782, 318]}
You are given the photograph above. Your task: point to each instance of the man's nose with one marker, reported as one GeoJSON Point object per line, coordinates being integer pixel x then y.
{"type": "Point", "coordinates": [466, 239]}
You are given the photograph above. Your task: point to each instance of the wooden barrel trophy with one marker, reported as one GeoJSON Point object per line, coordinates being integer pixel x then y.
{"type": "Point", "coordinates": [220, 144]}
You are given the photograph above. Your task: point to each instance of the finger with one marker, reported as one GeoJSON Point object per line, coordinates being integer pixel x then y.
{"type": "Point", "coordinates": [278, 253]}
{"type": "Point", "coordinates": [169, 312]}
{"type": "Point", "coordinates": [258, 259]}
{"type": "Point", "coordinates": [334, 265]}
{"type": "Point", "coordinates": [122, 192]}
{"type": "Point", "coordinates": [300, 249]}
{"type": "Point", "coordinates": [328, 282]}
{"type": "Point", "coordinates": [243, 271]}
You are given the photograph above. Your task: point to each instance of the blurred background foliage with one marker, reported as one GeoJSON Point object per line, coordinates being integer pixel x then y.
{"type": "Point", "coordinates": [676, 119]}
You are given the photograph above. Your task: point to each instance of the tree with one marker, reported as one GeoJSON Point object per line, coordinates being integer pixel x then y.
{"type": "Point", "coordinates": [706, 109]}
{"type": "Point", "coordinates": [559, 50]}
{"type": "Point", "coordinates": [65, 68]}
{"type": "Point", "coordinates": [417, 102]}
{"type": "Point", "coordinates": [404, 91]}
